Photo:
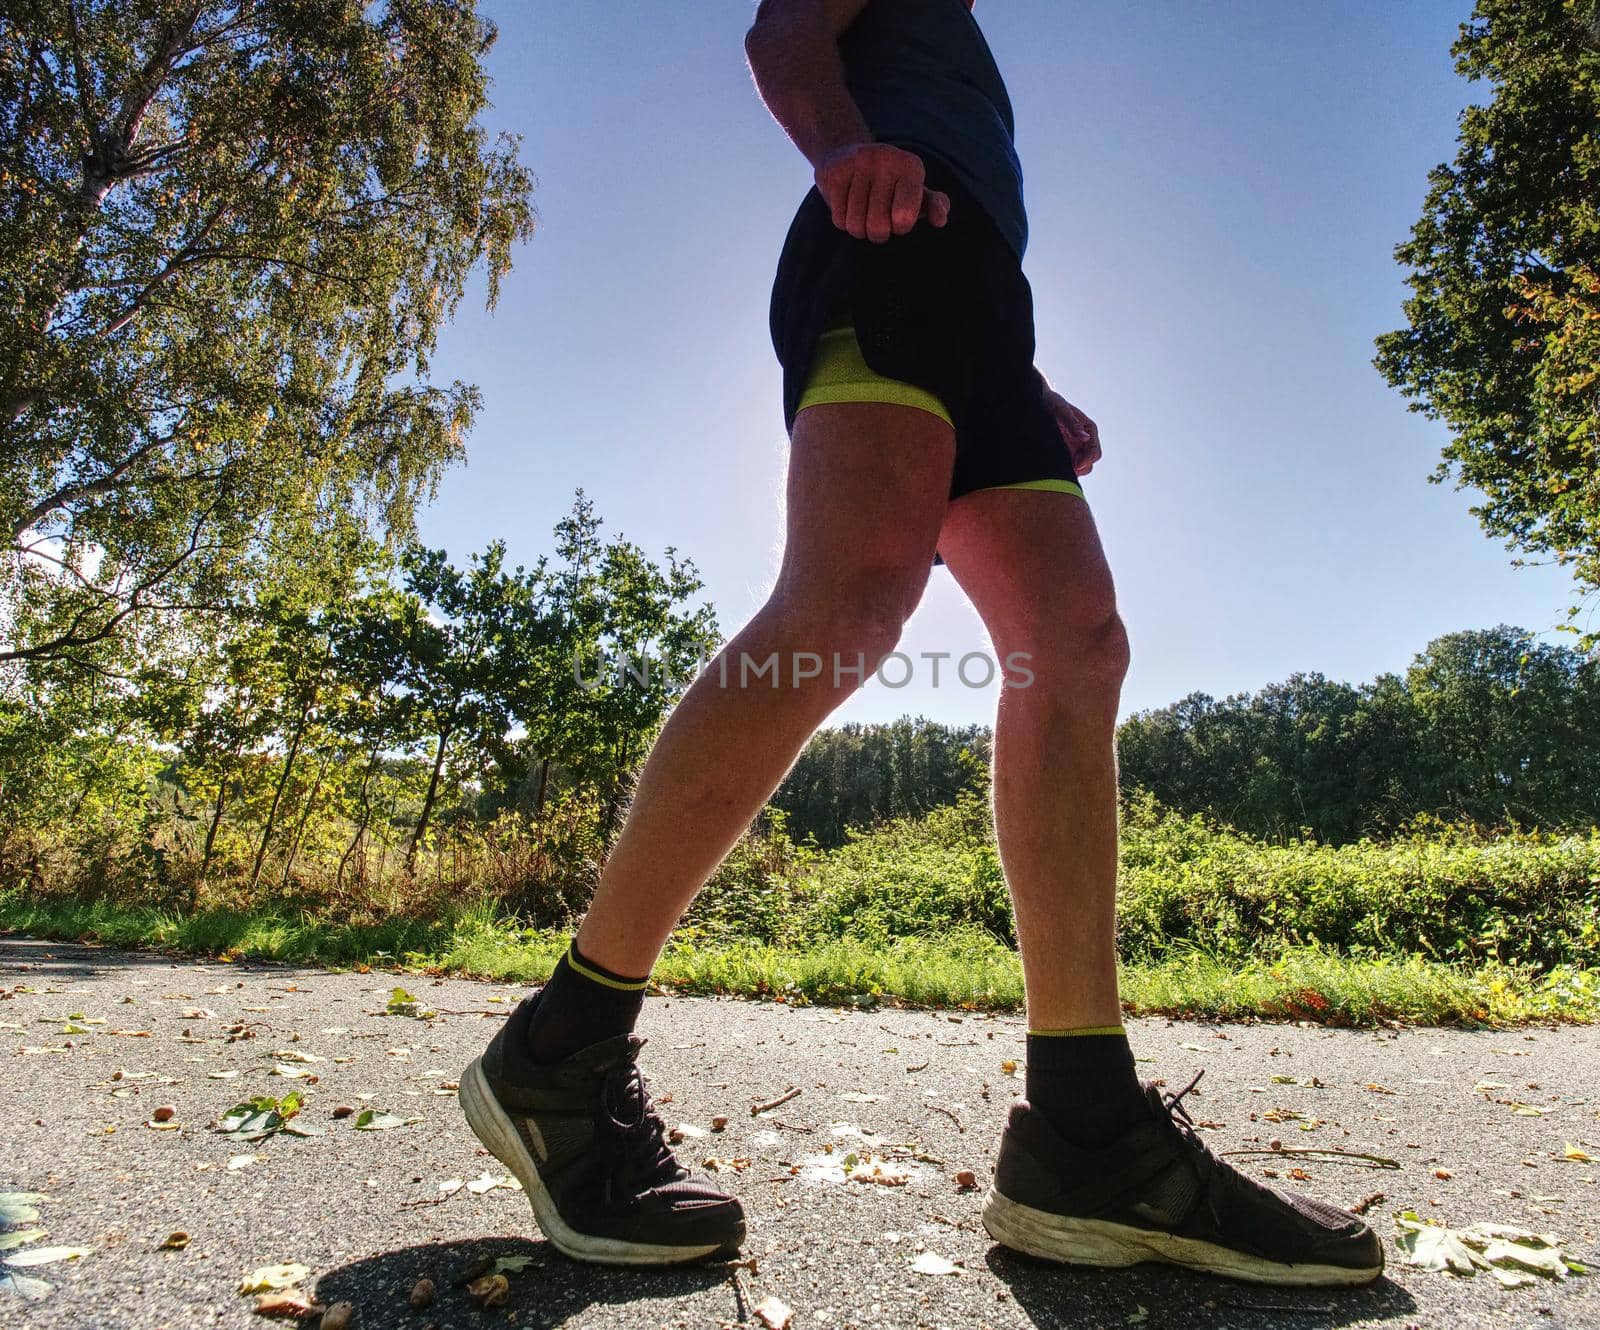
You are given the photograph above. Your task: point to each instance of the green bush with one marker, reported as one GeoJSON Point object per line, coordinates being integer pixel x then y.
{"type": "Point", "coordinates": [1446, 893]}
{"type": "Point", "coordinates": [910, 876]}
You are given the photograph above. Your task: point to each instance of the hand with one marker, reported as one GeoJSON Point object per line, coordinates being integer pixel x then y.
{"type": "Point", "coordinates": [876, 191]}
{"type": "Point", "coordinates": [1078, 432]}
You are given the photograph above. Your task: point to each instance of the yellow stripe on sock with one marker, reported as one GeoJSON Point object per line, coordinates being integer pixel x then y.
{"type": "Point", "coordinates": [1068, 1034]}
{"type": "Point", "coordinates": [626, 985]}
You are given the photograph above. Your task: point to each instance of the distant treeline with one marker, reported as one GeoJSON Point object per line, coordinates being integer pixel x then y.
{"type": "Point", "coordinates": [855, 775]}
{"type": "Point", "coordinates": [1490, 726]}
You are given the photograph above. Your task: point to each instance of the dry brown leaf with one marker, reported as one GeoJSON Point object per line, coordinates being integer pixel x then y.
{"type": "Point", "coordinates": [774, 1313]}
{"type": "Point", "coordinates": [289, 1302]}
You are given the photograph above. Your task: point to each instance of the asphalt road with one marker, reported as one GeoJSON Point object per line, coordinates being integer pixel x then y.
{"type": "Point", "coordinates": [922, 1092]}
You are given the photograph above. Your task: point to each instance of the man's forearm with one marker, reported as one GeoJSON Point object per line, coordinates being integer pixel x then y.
{"type": "Point", "coordinates": [795, 60]}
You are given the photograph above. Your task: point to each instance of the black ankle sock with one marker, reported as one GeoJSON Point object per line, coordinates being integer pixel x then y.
{"type": "Point", "coordinates": [582, 1004]}
{"type": "Point", "coordinates": [1084, 1082]}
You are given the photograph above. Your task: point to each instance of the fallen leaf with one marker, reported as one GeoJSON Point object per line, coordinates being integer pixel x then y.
{"type": "Point", "coordinates": [1510, 1252]}
{"type": "Point", "coordinates": [402, 1003]}
{"type": "Point", "coordinates": [1577, 1155]}
{"type": "Point", "coordinates": [372, 1120]}
{"type": "Point", "coordinates": [1432, 1247]}
{"type": "Point", "coordinates": [485, 1182]}
{"type": "Point", "coordinates": [25, 1287]}
{"type": "Point", "coordinates": [289, 1302]}
{"type": "Point", "coordinates": [270, 1278]}
{"type": "Point", "coordinates": [931, 1263]}
{"type": "Point", "coordinates": [21, 1238]}
{"type": "Point", "coordinates": [45, 1256]}
{"type": "Point", "coordinates": [241, 1161]}
{"type": "Point", "coordinates": [18, 1207]}
{"type": "Point", "coordinates": [774, 1313]}
{"type": "Point", "coordinates": [174, 1241]}
{"type": "Point", "coordinates": [737, 1164]}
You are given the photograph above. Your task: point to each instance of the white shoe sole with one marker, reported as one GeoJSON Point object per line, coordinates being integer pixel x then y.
{"type": "Point", "coordinates": [1102, 1243]}
{"type": "Point", "coordinates": [494, 1128]}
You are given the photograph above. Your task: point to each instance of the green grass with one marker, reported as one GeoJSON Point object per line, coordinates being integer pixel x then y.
{"type": "Point", "coordinates": [960, 967]}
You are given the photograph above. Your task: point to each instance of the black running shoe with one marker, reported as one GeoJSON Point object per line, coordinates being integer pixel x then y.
{"type": "Point", "coordinates": [1158, 1194]}
{"type": "Point", "coordinates": [591, 1153]}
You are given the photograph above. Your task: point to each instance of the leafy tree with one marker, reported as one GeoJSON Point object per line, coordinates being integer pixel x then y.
{"type": "Point", "coordinates": [1510, 729]}
{"type": "Point", "coordinates": [463, 639]}
{"type": "Point", "coordinates": [230, 231]}
{"type": "Point", "coordinates": [623, 645]}
{"type": "Point", "coordinates": [1488, 725]}
{"type": "Point", "coordinates": [1502, 343]}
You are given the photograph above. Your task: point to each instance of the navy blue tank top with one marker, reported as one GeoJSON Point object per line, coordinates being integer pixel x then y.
{"type": "Point", "coordinates": [925, 79]}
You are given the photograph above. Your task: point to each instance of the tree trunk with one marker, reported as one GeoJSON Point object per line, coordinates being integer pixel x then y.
{"type": "Point", "coordinates": [305, 817]}
{"type": "Point", "coordinates": [366, 812]}
{"type": "Point", "coordinates": [544, 782]}
{"type": "Point", "coordinates": [427, 805]}
{"type": "Point", "coordinates": [277, 795]}
{"type": "Point", "coordinates": [216, 822]}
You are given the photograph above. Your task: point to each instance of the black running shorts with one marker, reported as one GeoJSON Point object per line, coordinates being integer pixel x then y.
{"type": "Point", "coordinates": [946, 310]}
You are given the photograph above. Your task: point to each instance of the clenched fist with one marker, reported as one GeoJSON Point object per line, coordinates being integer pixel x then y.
{"type": "Point", "coordinates": [877, 190]}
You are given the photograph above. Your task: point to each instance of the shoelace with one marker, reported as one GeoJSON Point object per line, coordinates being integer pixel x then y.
{"type": "Point", "coordinates": [1220, 1180]}
{"type": "Point", "coordinates": [640, 1132]}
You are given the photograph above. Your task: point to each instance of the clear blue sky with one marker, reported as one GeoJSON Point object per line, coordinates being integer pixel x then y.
{"type": "Point", "coordinates": [1214, 192]}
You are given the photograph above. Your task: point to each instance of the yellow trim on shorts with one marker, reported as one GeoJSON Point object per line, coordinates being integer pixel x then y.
{"type": "Point", "coordinates": [840, 373]}
{"type": "Point", "coordinates": [1049, 483]}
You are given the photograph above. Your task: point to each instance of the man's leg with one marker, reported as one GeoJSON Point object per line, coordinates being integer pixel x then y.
{"type": "Point", "coordinates": [1100, 1171]}
{"type": "Point", "coordinates": [1033, 567]}
{"type": "Point", "coordinates": [558, 1096]}
{"type": "Point", "coordinates": [867, 491]}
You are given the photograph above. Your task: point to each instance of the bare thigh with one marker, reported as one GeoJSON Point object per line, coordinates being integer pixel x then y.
{"type": "Point", "coordinates": [868, 487]}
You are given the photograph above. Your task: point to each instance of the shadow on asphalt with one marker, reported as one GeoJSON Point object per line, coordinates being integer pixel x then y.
{"type": "Point", "coordinates": [546, 1292]}
{"type": "Point", "coordinates": [37, 959]}
{"type": "Point", "coordinates": [1062, 1296]}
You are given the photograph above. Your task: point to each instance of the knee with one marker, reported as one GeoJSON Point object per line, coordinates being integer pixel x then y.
{"type": "Point", "coordinates": [1106, 651]}
{"type": "Point", "coordinates": [1080, 660]}
{"type": "Point", "coordinates": [865, 614]}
